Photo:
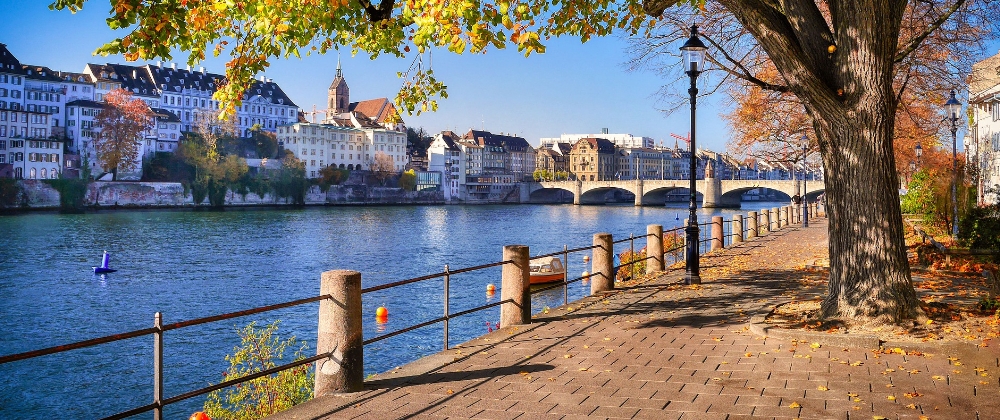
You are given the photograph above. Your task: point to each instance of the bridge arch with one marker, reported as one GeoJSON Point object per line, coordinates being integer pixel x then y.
{"type": "Point", "coordinates": [658, 196]}
{"type": "Point", "coordinates": [607, 194]}
{"type": "Point", "coordinates": [551, 195]}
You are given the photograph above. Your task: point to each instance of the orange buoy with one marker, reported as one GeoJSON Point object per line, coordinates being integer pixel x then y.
{"type": "Point", "coordinates": [490, 288]}
{"type": "Point", "coordinates": [586, 258]}
{"type": "Point", "coordinates": [586, 274]}
{"type": "Point", "coordinates": [199, 415]}
{"type": "Point", "coordinates": [381, 312]}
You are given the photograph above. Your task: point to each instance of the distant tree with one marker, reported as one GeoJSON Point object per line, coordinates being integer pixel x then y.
{"type": "Point", "coordinates": [417, 141]}
{"type": "Point", "coordinates": [330, 175]}
{"type": "Point", "coordinates": [121, 123]}
{"type": "Point", "coordinates": [382, 167]}
{"type": "Point", "coordinates": [213, 172]}
{"type": "Point", "coordinates": [291, 183]}
{"type": "Point", "coordinates": [265, 143]}
{"type": "Point", "coordinates": [408, 180]}
{"type": "Point", "coordinates": [561, 175]}
{"type": "Point", "coordinates": [542, 175]}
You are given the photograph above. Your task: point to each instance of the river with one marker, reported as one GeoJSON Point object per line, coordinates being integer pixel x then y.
{"type": "Point", "coordinates": [189, 264]}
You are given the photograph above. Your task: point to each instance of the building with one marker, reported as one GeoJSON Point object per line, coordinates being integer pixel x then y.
{"type": "Point", "coordinates": [644, 163]}
{"type": "Point", "coordinates": [507, 159]}
{"type": "Point", "coordinates": [322, 145]}
{"type": "Point", "coordinates": [593, 159]}
{"type": "Point", "coordinates": [444, 155]}
{"type": "Point", "coordinates": [165, 135]}
{"type": "Point", "coordinates": [619, 140]}
{"type": "Point", "coordinates": [982, 145]}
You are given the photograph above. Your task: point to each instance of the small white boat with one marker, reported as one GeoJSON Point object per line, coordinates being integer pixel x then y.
{"type": "Point", "coordinates": [546, 270]}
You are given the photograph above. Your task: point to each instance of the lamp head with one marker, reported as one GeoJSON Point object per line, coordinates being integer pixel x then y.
{"type": "Point", "coordinates": [953, 107]}
{"type": "Point", "coordinates": [693, 52]}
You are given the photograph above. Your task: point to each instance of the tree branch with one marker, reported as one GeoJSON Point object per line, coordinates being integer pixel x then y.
{"type": "Point", "coordinates": [916, 41]}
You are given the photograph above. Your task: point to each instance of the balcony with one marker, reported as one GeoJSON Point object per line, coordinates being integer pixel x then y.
{"type": "Point", "coordinates": [35, 87]}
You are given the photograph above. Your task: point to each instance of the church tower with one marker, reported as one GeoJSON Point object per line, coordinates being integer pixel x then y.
{"type": "Point", "coordinates": [339, 95]}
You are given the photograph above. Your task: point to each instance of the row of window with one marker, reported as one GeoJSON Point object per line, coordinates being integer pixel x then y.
{"type": "Point", "coordinates": [13, 93]}
{"type": "Point", "coordinates": [7, 78]}
{"type": "Point", "coordinates": [15, 106]}
{"type": "Point", "coordinates": [43, 157]}
{"type": "Point", "coordinates": [43, 108]}
{"type": "Point", "coordinates": [43, 96]}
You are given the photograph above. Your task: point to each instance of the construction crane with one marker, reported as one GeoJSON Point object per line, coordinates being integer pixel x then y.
{"type": "Point", "coordinates": [314, 112]}
{"type": "Point", "coordinates": [687, 138]}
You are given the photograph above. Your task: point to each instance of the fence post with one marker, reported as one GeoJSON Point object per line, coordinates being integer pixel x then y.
{"type": "Point", "coordinates": [766, 222]}
{"type": "Point", "coordinates": [718, 241]}
{"type": "Point", "coordinates": [602, 277]}
{"type": "Point", "coordinates": [754, 225]}
{"type": "Point", "coordinates": [158, 366]}
{"type": "Point", "coordinates": [775, 218]}
{"type": "Point", "coordinates": [339, 331]}
{"type": "Point", "coordinates": [654, 248]}
{"type": "Point", "coordinates": [783, 217]}
{"type": "Point", "coordinates": [514, 286]}
{"type": "Point", "coordinates": [737, 229]}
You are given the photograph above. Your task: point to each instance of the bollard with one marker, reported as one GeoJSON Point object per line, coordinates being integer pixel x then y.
{"type": "Point", "coordinates": [654, 248]}
{"type": "Point", "coordinates": [774, 219]}
{"type": "Point", "coordinates": [754, 225]}
{"type": "Point", "coordinates": [339, 331]}
{"type": "Point", "coordinates": [737, 229]}
{"type": "Point", "coordinates": [718, 240]}
{"type": "Point", "coordinates": [515, 286]}
{"type": "Point", "coordinates": [783, 217]}
{"type": "Point", "coordinates": [602, 266]}
{"type": "Point", "coordinates": [796, 212]}
{"type": "Point", "coordinates": [766, 221]}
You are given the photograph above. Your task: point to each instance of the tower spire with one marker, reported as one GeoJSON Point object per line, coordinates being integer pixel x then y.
{"type": "Point", "coordinates": [338, 65]}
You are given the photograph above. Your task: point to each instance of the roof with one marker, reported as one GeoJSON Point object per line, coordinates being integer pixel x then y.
{"type": "Point", "coordinates": [379, 110]}
{"type": "Point", "coordinates": [40, 73]}
{"type": "Point", "coordinates": [164, 115]}
{"type": "Point", "coordinates": [133, 79]}
{"type": "Point", "coordinates": [9, 63]}
{"type": "Point", "coordinates": [509, 143]}
{"type": "Point", "coordinates": [450, 139]}
{"type": "Point", "coordinates": [603, 146]}
{"type": "Point", "coordinates": [85, 103]}
{"type": "Point", "coordinates": [985, 75]}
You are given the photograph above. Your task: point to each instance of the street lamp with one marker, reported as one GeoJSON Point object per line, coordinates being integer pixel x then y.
{"type": "Point", "coordinates": [953, 108]}
{"type": "Point", "coordinates": [918, 152]}
{"type": "Point", "coordinates": [693, 52]}
{"type": "Point", "coordinates": [805, 203]}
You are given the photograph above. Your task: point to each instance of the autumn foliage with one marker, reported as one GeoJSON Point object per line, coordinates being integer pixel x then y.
{"type": "Point", "coordinates": [121, 124]}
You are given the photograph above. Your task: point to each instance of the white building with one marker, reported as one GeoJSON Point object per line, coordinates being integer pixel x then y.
{"type": "Point", "coordinates": [444, 155]}
{"type": "Point", "coordinates": [322, 145]}
{"type": "Point", "coordinates": [982, 145]}
{"type": "Point", "coordinates": [620, 140]}
{"type": "Point", "coordinates": [28, 147]}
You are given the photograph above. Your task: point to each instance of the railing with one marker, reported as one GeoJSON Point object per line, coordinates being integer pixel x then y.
{"type": "Point", "coordinates": [158, 329]}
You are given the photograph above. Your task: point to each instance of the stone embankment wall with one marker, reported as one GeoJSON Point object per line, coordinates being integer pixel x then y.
{"type": "Point", "coordinates": [172, 194]}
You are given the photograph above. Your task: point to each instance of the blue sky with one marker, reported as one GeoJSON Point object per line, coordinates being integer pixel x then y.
{"type": "Point", "coordinates": [572, 88]}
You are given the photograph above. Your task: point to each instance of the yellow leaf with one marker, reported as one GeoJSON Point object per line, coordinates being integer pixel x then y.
{"type": "Point", "coordinates": [794, 405]}
{"type": "Point", "coordinates": [891, 398]}
{"type": "Point", "coordinates": [822, 388]}
{"type": "Point", "coordinates": [568, 356]}
{"type": "Point", "coordinates": [815, 345]}
{"type": "Point", "coordinates": [938, 377]}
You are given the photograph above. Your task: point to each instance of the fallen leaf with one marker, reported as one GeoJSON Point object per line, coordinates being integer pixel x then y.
{"type": "Point", "coordinates": [822, 388]}
{"type": "Point", "coordinates": [794, 405]}
{"type": "Point", "coordinates": [937, 377]}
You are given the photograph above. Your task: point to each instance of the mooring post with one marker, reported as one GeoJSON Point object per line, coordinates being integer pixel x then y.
{"type": "Point", "coordinates": [737, 229]}
{"type": "Point", "coordinates": [515, 286]}
{"type": "Point", "coordinates": [775, 219]}
{"type": "Point", "coordinates": [654, 248]}
{"type": "Point", "coordinates": [718, 239]}
{"type": "Point", "coordinates": [754, 227]}
{"type": "Point", "coordinates": [339, 333]}
{"type": "Point", "coordinates": [602, 268]}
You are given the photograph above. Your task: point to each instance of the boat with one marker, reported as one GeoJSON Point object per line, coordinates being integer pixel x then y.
{"type": "Point", "coordinates": [546, 270]}
{"type": "Point", "coordinates": [104, 269]}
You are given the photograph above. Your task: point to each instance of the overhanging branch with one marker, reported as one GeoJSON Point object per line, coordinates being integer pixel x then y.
{"type": "Point", "coordinates": [916, 41]}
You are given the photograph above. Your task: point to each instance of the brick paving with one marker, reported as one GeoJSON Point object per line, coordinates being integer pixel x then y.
{"type": "Point", "coordinates": [662, 350]}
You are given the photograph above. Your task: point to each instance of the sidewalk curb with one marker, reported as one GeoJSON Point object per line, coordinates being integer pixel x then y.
{"type": "Point", "coordinates": [756, 325]}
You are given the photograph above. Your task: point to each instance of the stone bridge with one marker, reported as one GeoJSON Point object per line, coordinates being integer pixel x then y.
{"type": "Point", "coordinates": [715, 192]}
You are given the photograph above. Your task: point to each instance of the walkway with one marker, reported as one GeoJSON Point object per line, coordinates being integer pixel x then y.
{"type": "Point", "coordinates": [661, 350]}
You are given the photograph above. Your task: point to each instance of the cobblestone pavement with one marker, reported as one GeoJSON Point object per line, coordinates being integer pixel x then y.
{"type": "Point", "coordinates": [662, 350]}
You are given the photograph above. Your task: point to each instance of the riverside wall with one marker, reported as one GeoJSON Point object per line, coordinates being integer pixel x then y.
{"type": "Point", "coordinates": [41, 195]}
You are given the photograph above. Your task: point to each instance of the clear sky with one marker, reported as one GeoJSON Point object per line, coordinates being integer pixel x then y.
{"type": "Point", "coordinates": [572, 88]}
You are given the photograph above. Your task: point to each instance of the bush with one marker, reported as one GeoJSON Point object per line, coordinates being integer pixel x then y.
{"type": "Point", "coordinates": [71, 193]}
{"type": "Point", "coordinates": [12, 194]}
{"type": "Point", "coordinates": [260, 350]}
{"type": "Point", "coordinates": [980, 228]}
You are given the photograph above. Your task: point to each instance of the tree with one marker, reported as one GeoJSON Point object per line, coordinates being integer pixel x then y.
{"type": "Point", "coordinates": [330, 175]}
{"type": "Point", "coordinates": [382, 167]}
{"type": "Point", "coordinates": [260, 350]}
{"type": "Point", "coordinates": [214, 173]}
{"type": "Point", "coordinates": [417, 141]}
{"type": "Point", "coordinates": [408, 180]}
{"type": "Point", "coordinates": [121, 123]}
{"type": "Point", "coordinates": [265, 143]}
{"type": "Point", "coordinates": [838, 57]}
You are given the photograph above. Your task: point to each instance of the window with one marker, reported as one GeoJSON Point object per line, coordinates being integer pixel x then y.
{"type": "Point", "coordinates": [3, 158]}
{"type": "Point", "coordinates": [44, 172]}
{"type": "Point", "coordinates": [31, 173]}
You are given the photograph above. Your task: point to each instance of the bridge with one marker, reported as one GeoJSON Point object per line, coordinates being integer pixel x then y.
{"type": "Point", "coordinates": [715, 192]}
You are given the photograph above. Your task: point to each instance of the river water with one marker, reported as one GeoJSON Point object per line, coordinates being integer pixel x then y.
{"type": "Point", "coordinates": [189, 264]}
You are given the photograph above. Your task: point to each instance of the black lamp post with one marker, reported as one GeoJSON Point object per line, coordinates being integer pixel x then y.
{"type": "Point", "coordinates": [953, 108]}
{"type": "Point", "coordinates": [693, 52]}
{"type": "Point", "coordinates": [918, 152]}
{"type": "Point", "coordinates": [805, 202]}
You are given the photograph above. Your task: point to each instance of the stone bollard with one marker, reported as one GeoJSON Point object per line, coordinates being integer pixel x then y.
{"type": "Point", "coordinates": [602, 266]}
{"type": "Point", "coordinates": [754, 225]}
{"type": "Point", "coordinates": [783, 217]}
{"type": "Point", "coordinates": [339, 331]}
{"type": "Point", "coordinates": [775, 223]}
{"type": "Point", "coordinates": [515, 283]}
{"type": "Point", "coordinates": [718, 238]}
{"type": "Point", "coordinates": [797, 214]}
{"type": "Point", "coordinates": [765, 221]}
{"type": "Point", "coordinates": [654, 248]}
{"type": "Point", "coordinates": [737, 229]}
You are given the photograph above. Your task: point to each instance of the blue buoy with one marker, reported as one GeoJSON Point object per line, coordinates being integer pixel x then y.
{"type": "Point", "coordinates": [104, 265]}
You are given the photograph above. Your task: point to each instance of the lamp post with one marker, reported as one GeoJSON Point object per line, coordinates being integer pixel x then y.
{"type": "Point", "coordinates": [918, 152]}
{"type": "Point", "coordinates": [693, 52]}
{"type": "Point", "coordinates": [953, 108]}
{"type": "Point", "coordinates": [805, 202]}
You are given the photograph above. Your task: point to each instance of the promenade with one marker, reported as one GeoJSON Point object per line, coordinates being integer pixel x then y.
{"type": "Point", "coordinates": [663, 350]}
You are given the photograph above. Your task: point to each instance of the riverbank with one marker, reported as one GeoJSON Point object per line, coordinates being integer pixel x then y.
{"type": "Point", "coordinates": [664, 350]}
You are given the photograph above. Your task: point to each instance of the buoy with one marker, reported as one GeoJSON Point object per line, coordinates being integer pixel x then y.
{"type": "Point", "coordinates": [381, 312]}
{"type": "Point", "coordinates": [199, 415]}
{"type": "Point", "coordinates": [586, 274]}
{"type": "Point", "coordinates": [586, 258]}
{"type": "Point", "coordinates": [490, 288]}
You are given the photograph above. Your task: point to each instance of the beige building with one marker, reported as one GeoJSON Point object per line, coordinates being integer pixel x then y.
{"type": "Point", "coordinates": [592, 159]}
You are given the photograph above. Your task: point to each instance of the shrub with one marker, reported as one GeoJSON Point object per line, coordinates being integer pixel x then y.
{"type": "Point", "coordinates": [980, 228]}
{"type": "Point", "coordinates": [12, 194]}
{"type": "Point", "coordinates": [260, 350]}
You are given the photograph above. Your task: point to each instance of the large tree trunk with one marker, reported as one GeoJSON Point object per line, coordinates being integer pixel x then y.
{"type": "Point", "coordinates": [843, 72]}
